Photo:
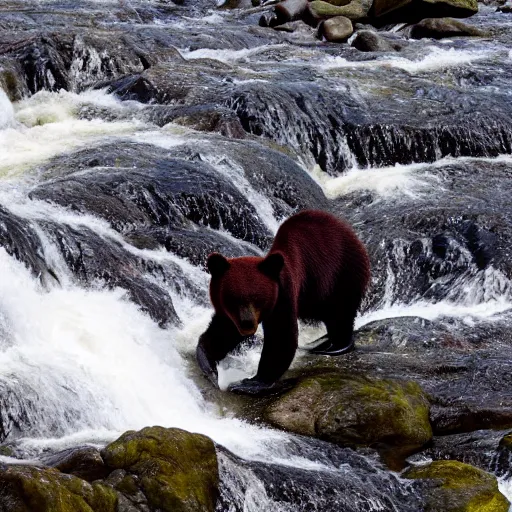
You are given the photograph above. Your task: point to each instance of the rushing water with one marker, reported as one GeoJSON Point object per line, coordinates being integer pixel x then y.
{"type": "Point", "coordinates": [82, 362]}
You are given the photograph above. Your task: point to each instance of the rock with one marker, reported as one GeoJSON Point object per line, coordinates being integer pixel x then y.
{"type": "Point", "coordinates": [371, 41]}
{"type": "Point", "coordinates": [290, 10]}
{"type": "Point", "coordinates": [439, 28]}
{"type": "Point", "coordinates": [415, 10]}
{"type": "Point", "coordinates": [175, 470]}
{"type": "Point", "coordinates": [336, 29]}
{"type": "Point", "coordinates": [355, 10]}
{"type": "Point", "coordinates": [84, 462]}
{"type": "Point", "coordinates": [505, 8]}
{"type": "Point", "coordinates": [32, 489]}
{"type": "Point", "coordinates": [355, 411]}
{"type": "Point", "coordinates": [459, 487]}
{"type": "Point", "coordinates": [142, 186]}
{"type": "Point", "coordinates": [481, 448]}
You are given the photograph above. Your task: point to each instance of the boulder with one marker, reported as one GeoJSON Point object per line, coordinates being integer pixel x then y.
{"type": "Point", "coordinates": [458, 487]}
{"type": "Point", "coordinates": [370, 41]}
{"type": "Point", "coordinates": [337, 29]}
{"type": "Point", "coordinates": [175, 470]}
{"type": "Point", "coordinates": [33, 489]}
{"type": "Point", "coordinates": [355, 410]}
{"type": "Point", "coordinates": [84, 462]}
{"type": "Point", "coordinates": [289, 10]}
{"type": "Point", "coordinates": [439, 28]}
{"type": "Point", "coordinates": [415, 10]}
{"type": "Point", "coordinates": [355, 10]}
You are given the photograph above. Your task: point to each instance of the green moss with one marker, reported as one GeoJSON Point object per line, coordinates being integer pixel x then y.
{"type": "Point", "coordinates": [355, 10]}
{"type": "Point", "coordinates": [355, 410]}
{"type": "Point", "coordinates": [33, 489]}
{"type": "Point", "coordinates": [177, 470]}
{"type": "Point", "coordinates": [506, 442]}
{"type": "Point", "coordinates": [461, 488]}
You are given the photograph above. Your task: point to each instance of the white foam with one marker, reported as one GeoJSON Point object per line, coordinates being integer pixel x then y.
{"type": "Point", "coordinates": [48, 126]}
{"type": "Point", "coordinates": [398, 181]}
{"type": "Point", "coordinates": [437, 59]}
{"type": "Point", "coordinates": [229, 56]}
{"type": "Point", "coordinates": [505, 487]}
{"type": "Point", "coordinates": [409, 181]}
{"type": "Point", "coordinates": [444, 309]}
{"type": "Point", "coordinates": [6, 111]}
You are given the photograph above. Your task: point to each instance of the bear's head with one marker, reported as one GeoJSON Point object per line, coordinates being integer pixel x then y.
{"type": "Point", "coordinates": [245, 289]}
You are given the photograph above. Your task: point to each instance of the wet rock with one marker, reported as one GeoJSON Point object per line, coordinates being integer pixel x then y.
{"type": "Point", "coordinates": [415, 10]}
{"type": "Point", "coordinates": [192, 244]}
{"type": "Point", "coordinates": [290, 10]}
{"type": "Point", "coordinates": [459, 487]}
{"type": "Point", "coordinates": [505, 8]}
{"type": "Point", "coordinates": [502, 463]}
{"type": "Point", "coordinates": [94, 259]}
{"type": "Point", "coordinates": [354, 482]}
{"type": "Point", "coordinates": [33, 489]}
{"type": "Point", "coordinates": [175, 470]}
{"type": "Point", "coordinates": [356, 411]}
{"type": "Point", "coordinates": [354, 10]}
{"type": "Point", "coordinates": [135, 185]}
{"type": "Point", "coordinates": [205, 118]}
{"type": "Point", "coordinates": [371, 41]}
{"type": "Point", "coordinates": [444, 27]}
{"type": "Point", "coordinates": [20, 240]}
{"type": "Point", "coordinates": [84, 462]}
{"type": "Point", "coordinates": [480, 448]}
{"type": "Point", "coordinates": [337, 29]}
{"type": "Point", "coordinates": [270, 169]}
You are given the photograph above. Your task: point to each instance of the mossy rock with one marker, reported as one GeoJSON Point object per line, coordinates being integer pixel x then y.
{"type": "Point", "coordinates": [355, 410]}
{"type": "Point", "coordinates": [414, 10]}
{"type": "Point", "coordinates": [459, 487]}
{"type": "Point", "coordinates": [506, 442]}
{"type": "Point", "coordinates": [355, 10]}
{"type": "Point", "coordinates": [176, 470]}
{"type": "Point", "coordinates": [33, 489]}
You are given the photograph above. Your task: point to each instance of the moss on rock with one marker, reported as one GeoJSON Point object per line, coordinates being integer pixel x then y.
{"type": "Point", "coordinates": [355, 410]}
{"type": "Point", "coordinates": [33, 489]}
{"type": "Point", "coordinates": [459, 487]}
{"type": "Point", "coordinates": [176, 470]}
{"type": "Point", "coordinates": [355, 10]}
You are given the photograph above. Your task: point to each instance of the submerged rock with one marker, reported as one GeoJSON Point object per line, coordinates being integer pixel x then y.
{"type": "Point", "coordinates": [356, 411]}
{"type": "Point", "coordinates": [444, 27]}
{"type": "Point", "coordinates": [459, 487]}
{"type": "Point", "coordinates": [174, 469]}
{"type": "Point", "coordinates": [371, 41]}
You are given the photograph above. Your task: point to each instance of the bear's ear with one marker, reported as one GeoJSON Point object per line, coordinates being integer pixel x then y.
{"type": "Point", "coordinates": [217, 264]}
{"type": "Point", "coordinates": [272, 265]}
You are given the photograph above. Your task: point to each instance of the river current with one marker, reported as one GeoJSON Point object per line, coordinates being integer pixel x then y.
{"type": "Point", "coordinates": [82, 362]}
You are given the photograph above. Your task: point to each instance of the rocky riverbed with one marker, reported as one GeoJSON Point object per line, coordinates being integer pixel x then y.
{"type": "Point", "coordinates": [136, 137]}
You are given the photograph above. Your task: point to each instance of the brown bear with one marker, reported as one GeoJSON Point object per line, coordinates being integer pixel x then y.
{"type": "Point", "coordinates": [316, 270]}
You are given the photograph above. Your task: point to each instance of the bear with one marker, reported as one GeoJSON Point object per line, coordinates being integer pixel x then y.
{"type": "Point", "coordinates": [317, 270]}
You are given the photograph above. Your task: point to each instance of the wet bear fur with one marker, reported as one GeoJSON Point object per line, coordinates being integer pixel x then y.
{"type": "Point", "coordinates": [316, 270]}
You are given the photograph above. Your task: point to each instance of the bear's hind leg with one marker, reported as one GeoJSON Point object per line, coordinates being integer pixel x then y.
{"type": "Point", "coordinates": [338, 340]}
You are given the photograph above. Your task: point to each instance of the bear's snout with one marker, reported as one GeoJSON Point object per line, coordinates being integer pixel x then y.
{"type": "Point", "coordinates": [249, 320]}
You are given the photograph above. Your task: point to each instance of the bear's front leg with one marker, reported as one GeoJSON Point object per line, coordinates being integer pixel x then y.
{"type": "Point", "coordinates": [214, 344]}
{"type": "Point", "coordinates": [279, 346]}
